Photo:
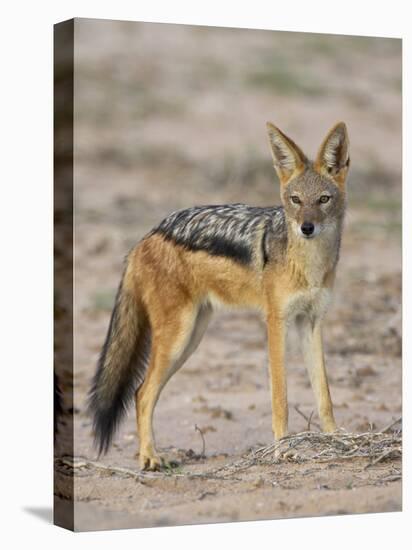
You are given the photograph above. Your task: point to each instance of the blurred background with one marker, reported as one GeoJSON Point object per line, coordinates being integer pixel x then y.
{"type": "Point", "coordinates": [169, 116]}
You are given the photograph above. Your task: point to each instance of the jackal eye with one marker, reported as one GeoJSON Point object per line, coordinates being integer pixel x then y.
{"type": "Point", "coordinates": [295, 199]}
{"type": "Point", "coordinates": [324, 198]}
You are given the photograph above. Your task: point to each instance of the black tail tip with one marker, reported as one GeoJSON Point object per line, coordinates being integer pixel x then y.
{"type": "Point", "coordinates": [105, 423]}
{"type": "Point", "coordinates": [101, 445]}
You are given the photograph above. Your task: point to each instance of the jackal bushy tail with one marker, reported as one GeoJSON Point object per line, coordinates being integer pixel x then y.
{"type": "Point", "coordinates": [121, 366]}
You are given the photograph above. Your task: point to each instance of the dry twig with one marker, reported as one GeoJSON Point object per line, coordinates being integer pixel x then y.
{"type": "Point", "coordinates": [307, 418]}
{"type": "Point", "coordinates": [391, 425]}
{"type": "Point", "coordinates": [71, 464]}
{"type": "Point", "coordinates": [202, 454]}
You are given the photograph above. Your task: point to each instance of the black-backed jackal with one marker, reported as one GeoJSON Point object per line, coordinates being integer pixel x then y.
{"type": "Point", "coordinates": [281, 260]}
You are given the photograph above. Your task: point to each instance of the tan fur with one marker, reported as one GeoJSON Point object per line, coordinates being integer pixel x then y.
{"type": "Point", "coordinates": [177, 289]}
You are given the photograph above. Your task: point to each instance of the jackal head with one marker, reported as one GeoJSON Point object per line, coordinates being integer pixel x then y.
{"type": "Point", "coordinates": [312, 193]}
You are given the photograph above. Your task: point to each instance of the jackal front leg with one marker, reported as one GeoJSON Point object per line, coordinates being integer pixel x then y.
{"type": "Point", "coordinates": [276, 340]}
{"type": "Point", "coordinates": [312, 346]}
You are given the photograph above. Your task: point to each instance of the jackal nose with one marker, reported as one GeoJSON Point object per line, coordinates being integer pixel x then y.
{"type": "Point", "coordinates": [307, 228]}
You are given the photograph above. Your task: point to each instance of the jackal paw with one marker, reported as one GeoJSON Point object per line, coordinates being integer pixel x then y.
{"type": "Point", "coordinates": [152, 462]}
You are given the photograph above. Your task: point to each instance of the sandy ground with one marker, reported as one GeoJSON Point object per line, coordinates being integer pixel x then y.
{"type": "Point", "coordinates": [168, 117]}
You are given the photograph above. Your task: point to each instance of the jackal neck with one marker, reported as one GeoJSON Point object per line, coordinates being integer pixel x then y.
{"type": "Point", "coordinates": [310, 261]}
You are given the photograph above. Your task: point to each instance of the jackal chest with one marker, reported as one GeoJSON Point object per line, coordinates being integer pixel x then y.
{"type": "Point", "coordinates": [312, 302]}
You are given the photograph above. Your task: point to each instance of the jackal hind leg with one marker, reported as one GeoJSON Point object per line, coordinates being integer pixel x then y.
{"type": "Point", "coordinates": [173, 341]}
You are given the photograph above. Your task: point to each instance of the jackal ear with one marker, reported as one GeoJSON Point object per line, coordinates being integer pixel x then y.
{"type": "Point", "coordinates": [288, 159]}
{"type": "Point", "coordinates": [333, 156]}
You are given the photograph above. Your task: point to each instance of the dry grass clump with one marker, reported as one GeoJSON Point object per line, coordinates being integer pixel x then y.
{"type": "Point", "coordinates": [319, 447]}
